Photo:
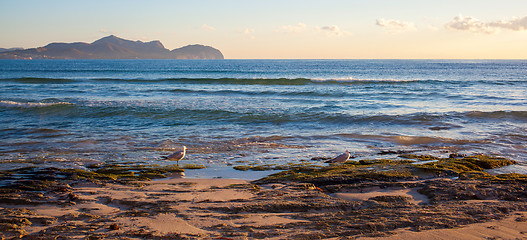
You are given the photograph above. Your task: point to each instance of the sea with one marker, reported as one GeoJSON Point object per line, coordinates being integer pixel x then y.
{"type": "Point", "coordinates": [76, 113]}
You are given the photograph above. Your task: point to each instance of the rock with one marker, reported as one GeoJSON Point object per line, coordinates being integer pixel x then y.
{"type": "Point", "coordinates": [457, 155]}
{"type": "Point", "coordinates": [114, 227]}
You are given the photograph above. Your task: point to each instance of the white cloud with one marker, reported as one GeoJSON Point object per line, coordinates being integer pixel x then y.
{"type": "Point", "coordinates": [301, 28]}
{"type": "Point", "coordinates": [469, 24]}
{"type": "Point", "coordinates": [102, 30]}
{"type": "Point", "coordinates": [516, 24]}
{"type": "Point", "coordinates": [475, 25]}
{"type": "Point", "coordinates": [248, 32]}
{"type": "Point", "coordinates": [332, 30]}
{"type": "Point", "coordinates": [395, 26]}
{"type": "Point", "coordinates": [207, 27]}
{"type": "Point", "coordinates": [298, 28]}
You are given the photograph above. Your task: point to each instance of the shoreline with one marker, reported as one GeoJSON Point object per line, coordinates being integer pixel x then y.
{"type": "Point", "coordinates": [367, 199]}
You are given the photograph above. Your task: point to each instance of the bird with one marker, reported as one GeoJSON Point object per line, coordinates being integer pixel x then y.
{"type": "Point", "coordinates": [340, 158]}
{"type": "Point", "coordinates": [176, 156]}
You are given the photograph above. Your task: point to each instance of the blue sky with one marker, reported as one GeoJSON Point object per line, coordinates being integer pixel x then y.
{"type": "Point", "coordinates": [282, 29]}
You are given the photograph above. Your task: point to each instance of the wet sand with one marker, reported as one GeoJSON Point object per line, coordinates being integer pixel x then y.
{"type": "Point", "coordinates": [182, 208]}
{"type": "Point", "coordinates": [511, 227]}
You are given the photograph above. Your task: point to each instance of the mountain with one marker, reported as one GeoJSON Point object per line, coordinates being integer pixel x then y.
{"type": "Point", "coordinates": [6, 49]}
{"type": "Point", "coordinates": [112, 47]}
{"type": "Point", "coordinates": [9, 49]}
{"type": "Point", "coordinates": [197, 52]}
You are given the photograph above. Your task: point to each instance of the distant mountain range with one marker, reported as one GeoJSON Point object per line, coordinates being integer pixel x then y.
{"type": "Point", "coordinates": [9, 49]}
{"type": "Point", "coordinates": [112, 47]}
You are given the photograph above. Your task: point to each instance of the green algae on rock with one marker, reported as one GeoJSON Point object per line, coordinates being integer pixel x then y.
{"type": "Point", "coordinates": [391, 170]}
{"type": "Point", "coordinates": [419, 157]}
{"type": "Point", "coordinates": [41, 179]}
{"type": "Point", "coordinates": [476, 163]}
{"type": "Point", "coordinates": [362, 170]}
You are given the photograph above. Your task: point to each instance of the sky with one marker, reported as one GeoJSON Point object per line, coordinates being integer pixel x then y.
{"type": "Point", "coordinates": [282, 29]}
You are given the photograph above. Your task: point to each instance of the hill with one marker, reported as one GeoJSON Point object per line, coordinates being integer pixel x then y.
{"type": "Point", "coordinates": [9, 49]}
{"type": "Point", "coordinates": [112, 47]}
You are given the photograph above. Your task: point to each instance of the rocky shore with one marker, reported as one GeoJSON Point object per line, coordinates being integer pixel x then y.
{"type": "Point", "coordinates": [356, 199]}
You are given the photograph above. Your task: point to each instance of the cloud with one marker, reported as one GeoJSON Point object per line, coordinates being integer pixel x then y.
{"type": "Point", "coordinates": [248, 32]}
{"type": "Point", "coordinates": [469, 24]}
{"type": "Point", "coordinates": [106, 32]}
{"type": "Point", "coordinates": [474, 25]}
{"type": "Point", "coordinates": [301, 28]}
{"type": "Point", "coordinates": [298, 28]}
{"type": "Point", "coordinates": [395, 26]}
{"type": "Point", "coordinates": [516, 24]}
{"type": "Point", "coordinates": [102, 30]}
{"type": "Point", "coordinates": [332, 30]}
{"type": "Point", "coordinates": [207, 27]}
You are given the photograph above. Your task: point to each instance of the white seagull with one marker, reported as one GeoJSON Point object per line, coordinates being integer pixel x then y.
{"type": "Point", "coordinates": [340, 158]}
{"type": "Point", "coordinates": [176, 156]}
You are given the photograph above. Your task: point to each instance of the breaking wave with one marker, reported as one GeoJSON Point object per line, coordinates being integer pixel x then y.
{"type": "Point", "coordinates": [13, 104]}
{"type": "Point", "coordinates": [225, 81]}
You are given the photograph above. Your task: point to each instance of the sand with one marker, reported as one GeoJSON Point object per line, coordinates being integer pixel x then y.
{"type": "Point", "coordinates": [410, 193]}
{"type": "Point", "coordinates": [512, 227]}
{"type": "Point", "coordinates": [158, 207]}
{"type": "Point", "coordinates": [180, 208]}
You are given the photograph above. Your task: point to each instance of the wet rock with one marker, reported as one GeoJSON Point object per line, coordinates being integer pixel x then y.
{"type": "Point", "coordinates": [63, 188]}
{"type": "Point", "coordinates": [388, 152]}
{"type": "Point", "coordinates": [73, 197]}
{"type": "Point", "coordinates": [114, 227]}
{"type": "Point", "coordinates": [457, 155]}
{"type": "Point", "coordinates": [439, 128]}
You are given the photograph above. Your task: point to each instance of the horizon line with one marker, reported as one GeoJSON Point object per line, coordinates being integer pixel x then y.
{"type": "Point", "coordinates": [468, 59]}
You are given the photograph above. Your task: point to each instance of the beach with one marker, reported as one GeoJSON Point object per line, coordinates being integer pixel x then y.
{"type": "Point", "coordinates": [437, 149]}
{"type": "Point", "coordinates": [367, 200]}
{"type": "Point", "coordinates": [242, 120]}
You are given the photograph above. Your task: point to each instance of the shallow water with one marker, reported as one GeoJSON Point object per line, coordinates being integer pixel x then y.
{"type": "Point", "coordinates": [72, 113]}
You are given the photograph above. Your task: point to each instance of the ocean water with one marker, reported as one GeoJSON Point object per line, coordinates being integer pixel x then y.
{"type": "Point", "coordinates": [74, 113]}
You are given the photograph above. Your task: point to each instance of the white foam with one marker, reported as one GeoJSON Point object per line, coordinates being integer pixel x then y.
{"type": "Point", "coordinates": [30, 104]}
{"type": "Point", "coordinates": [365, 80]}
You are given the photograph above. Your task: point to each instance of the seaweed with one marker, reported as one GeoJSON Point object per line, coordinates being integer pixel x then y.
{"type": "Point", "coordinates": [468, 167]}
{"type": "Point", "coordinates": [512, 176]}
{"type": "Point", "coordinates": [476, 163]}
{"type": "Point", "coordinates": [193, 166]}
{"type": "Point", "coordinates": [364, 170]}
{"type": "Point", "coordinates": [419, 157]}
{"type": "Point", "coordinates": [49, 179]}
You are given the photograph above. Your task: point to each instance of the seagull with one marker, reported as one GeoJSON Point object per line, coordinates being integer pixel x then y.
{"type": "Point", "coordinates": [340, 158]}
{"type": "Point", "coordinates": [176, 156]}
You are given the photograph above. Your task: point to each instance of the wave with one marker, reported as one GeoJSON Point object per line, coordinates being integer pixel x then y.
{"type": "Point", "coordinates": [236, 81]}
{"type": "Point", "coordinates": [409, 140]}
{"type": "Point", "coordinates": [222, 81]}
{"type": "Point", "coordinates": [259, 81]}
{"type": "Point", "coordinates": [433, 121]}
{"type": "Point", "coordinates": [516, 115]}
{"type": "Point", "coordinates": [36, 133]}
{"type": "Point", "coordinates": [13, 104]}
{"type": "Point", "coordinates": [32, 80]}
{"type": "Point", "coordinates": [310, 93]}
{"type": "Point", "coordinates": [316, 114]}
